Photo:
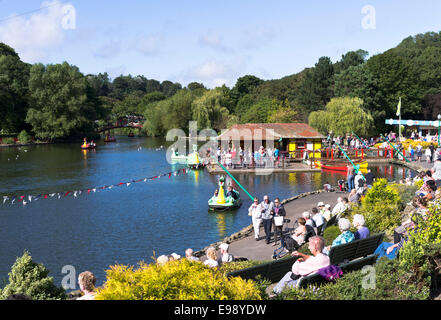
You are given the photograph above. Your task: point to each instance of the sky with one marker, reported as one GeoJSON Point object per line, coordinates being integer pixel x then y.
{"type": "Point", "coordinates": [211, 42]}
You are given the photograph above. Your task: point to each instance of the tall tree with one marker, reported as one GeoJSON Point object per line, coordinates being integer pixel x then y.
{"type": "Point", "coordinates": [342, 116]}
{"type": "Point", "coordinates": [60, 105]}
{"type": "Point", "coordinates": [244, 85]}
{"type": "Point", "coordinates": [317, 88]}
{"type": "Point", "coordinates": [14, 77]}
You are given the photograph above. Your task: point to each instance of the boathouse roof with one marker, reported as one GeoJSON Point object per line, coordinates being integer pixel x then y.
{"type": "Point", "coordinates": [271, 131]}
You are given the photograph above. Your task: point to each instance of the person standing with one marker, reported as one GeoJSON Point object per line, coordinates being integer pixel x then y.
{"type": "Point", "coordinates": [267, 217]}
{"type": "Point", "coordinates": [255, 211]}
{"type": "Point", "coordinates": [278, 211]}
{"type": "Point", "coordinates": [432, 152]}
{"type": "Point", "coordinates": [369, 178]}
{"type": "Point", "coordinates": [350, 178]}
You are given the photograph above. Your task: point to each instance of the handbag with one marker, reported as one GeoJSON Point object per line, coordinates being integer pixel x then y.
{"type": "Point", "coordinates": [278, 221]}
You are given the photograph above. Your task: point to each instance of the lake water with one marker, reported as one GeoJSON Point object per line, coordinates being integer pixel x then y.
{"type": "Point", "coordinates": [124, 224]}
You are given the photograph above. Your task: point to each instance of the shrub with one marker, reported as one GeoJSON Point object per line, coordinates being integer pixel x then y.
{"type": "Point", "coordinates": [381, 208]}
{"type": "Point", "coordinates": [176, 280]}
{"type": "Point", "coordinates": [32, 279]}
{"type": "Point", "coordinates": [421, 254]}
{"type": "Point", "coordinates": [8, 140]}
{"type": "Point", "coordinates": [24, 137]}
{"type": "Point", "coordinates": [391, 283]}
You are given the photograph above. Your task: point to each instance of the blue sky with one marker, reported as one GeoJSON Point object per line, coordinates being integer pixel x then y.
{"type": "Point", "coordinates": [212, 42]}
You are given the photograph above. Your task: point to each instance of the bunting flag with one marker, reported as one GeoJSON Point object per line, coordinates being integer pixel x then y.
{"type": "Point", "coordinates": [25, 199]}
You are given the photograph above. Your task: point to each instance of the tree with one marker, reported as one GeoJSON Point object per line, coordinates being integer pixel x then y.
{"type": "Point", "coordinates": [60, 102]}
{"type": "Point", "coordinates": [195, 85]}
{"type": "Point", "coordinates": [316, 90]}
{"type": "Point", "coordinates": [396, 77]}
{"type": "Point", "coordinates": [245, 85]}
{"type": "Point", "coordinates": [350, 59]}
{"type": "Point", "coordinates": [342, 115]}
{"type": "Point", "coordinates": [259, 111]}
{"type": "Point", "coordinates": [152, 86]}
{"type": "Point", "coordinates": [169, 88]}
{"type": "Point", "coordinates": [283, 113]}
{"type": "Point", "coordinates": [208, 110]}
{"type": "Point", "coordinates": [32, 279]}
{"type": "Point", "coordinates": [358, 81]}
{"type": "Point", "coordinates": [14, 77]}
{"type": "Point", "coordinates": [100, 83]}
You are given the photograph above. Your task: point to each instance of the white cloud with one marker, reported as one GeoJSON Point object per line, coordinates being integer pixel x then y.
{"type": "Point", "coordinates": [34, 37]}
{"type": "Point", "coordinates": [215, 41]}
{"type": "Point", "coordinates": [258, 37]}
{"type": "Point", "coordinates": [109, 49]}
{"type": "Point", "coordinates": [150, 44]}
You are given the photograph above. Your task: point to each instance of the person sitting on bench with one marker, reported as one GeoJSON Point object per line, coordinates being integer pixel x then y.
{"type": "Point", "coordinates": [305, 264]}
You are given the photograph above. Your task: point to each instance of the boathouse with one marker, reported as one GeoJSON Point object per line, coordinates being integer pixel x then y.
{"type": "Point", "coordinates": [293, 139]}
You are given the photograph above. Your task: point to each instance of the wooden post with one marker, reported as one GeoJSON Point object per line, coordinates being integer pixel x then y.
{"type": "Point", "coordinates": [378, 152]}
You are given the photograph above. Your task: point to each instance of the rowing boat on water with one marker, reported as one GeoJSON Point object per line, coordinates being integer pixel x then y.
{"type": "Point", "coordinates": [340, 166]}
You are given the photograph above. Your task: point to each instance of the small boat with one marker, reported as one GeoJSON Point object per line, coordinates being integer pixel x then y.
{"type": "Point", "coordinates": [221, 202]}
{"type": "Point", "coordinates": [131, 135]}
{"type": "Point", "coordinates": [341, 166]}
{"type": "Point", "coordinates": [178, 158]}
{"type": "Point", "coordinates": [86, 145]}
{"type": "Point", "coordinates": [109, 139]}
{"type": "Point", "coordinates": [193, 161]}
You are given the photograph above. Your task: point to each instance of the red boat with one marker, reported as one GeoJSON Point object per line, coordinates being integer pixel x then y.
{"type": "Point", "coordinates": [131, 135]}
{"type": "Point", "coordinates": [341, 166]}
{"type": "Point", "coordinates": [110, 139]}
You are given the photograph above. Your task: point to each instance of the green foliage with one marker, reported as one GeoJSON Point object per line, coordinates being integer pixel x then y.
{"type": "Point", "coordinates": [8, 140]}
{"type": "Point", "coordinates": [24, 137]}
{"type": "Point", "coordinates": [421, 254]}
{"type": "Point", "coordinates": [316, 90]}
{"type": "Point", "coordinates": [61, 105]}
{"type": "Point", "coordinates": [342, 115]}
{"type": "Point", "coordinates": [32, 279]}
{"type": "Point", "coordinates": [176, 280]}
{"type": "Point", "coordinates": [283, 113]}
{"type": "Point", "coordinates": [14, 76]}
{"type": "Point", "coordinates": [208, 110]}
{"type": "Point", "coordinates": [389, 283]}
{"type": "Point", "coordinates": [381, 208]}
{"type": "Point", "coordinates": [259, 111]}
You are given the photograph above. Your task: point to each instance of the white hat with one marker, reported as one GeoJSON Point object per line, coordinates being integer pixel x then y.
{"type": "Point", "coordinates": [320, 204]}
{"type": "Point", "coordinates": [176, 256]}
{"type": "Point", "coordinates": [224, 246]}
{"type": "Point", "coordinates": [328, 206]}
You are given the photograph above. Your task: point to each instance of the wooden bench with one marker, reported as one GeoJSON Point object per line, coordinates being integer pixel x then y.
{"type": "Point", "coordinates": [348, 255]}
{"type": "Point", "coordinates": [356, 249]}
{"type": "Point", "coordinates": [316, 279]}
{"type": "Point", "coordinates": [273, 271]}
{"type": "Point", "coordinates": [329, 223]}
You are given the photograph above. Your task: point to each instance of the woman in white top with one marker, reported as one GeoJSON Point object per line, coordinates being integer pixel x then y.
{"type": "Point", "coordinates": [212, 258]}
{"type": "Point", "coordinates": [255, 211]}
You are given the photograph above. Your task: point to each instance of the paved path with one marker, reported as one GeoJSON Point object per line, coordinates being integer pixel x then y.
{"type": "Point", "coordinates": [258, 250]}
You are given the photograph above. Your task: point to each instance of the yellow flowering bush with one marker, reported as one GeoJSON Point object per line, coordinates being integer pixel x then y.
{"type": "Point", "coordinates": [176, 280]}
{"type": "Point", "coordinates": [413, 143]}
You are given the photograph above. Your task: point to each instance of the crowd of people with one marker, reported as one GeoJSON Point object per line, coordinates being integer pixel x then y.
{"type": "Point", "coordinates": [240, 158]}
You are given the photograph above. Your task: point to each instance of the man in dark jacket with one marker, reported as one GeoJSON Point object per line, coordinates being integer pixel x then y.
{"type": "Point", "coordinates": [278, 211]}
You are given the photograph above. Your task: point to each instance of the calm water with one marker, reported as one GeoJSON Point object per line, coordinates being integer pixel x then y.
{"type": "Point", "coordinates": [123, 224]}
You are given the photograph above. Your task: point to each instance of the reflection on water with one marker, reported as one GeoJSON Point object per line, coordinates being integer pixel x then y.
{"type": "Point", "coordinates": [125, 224]}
